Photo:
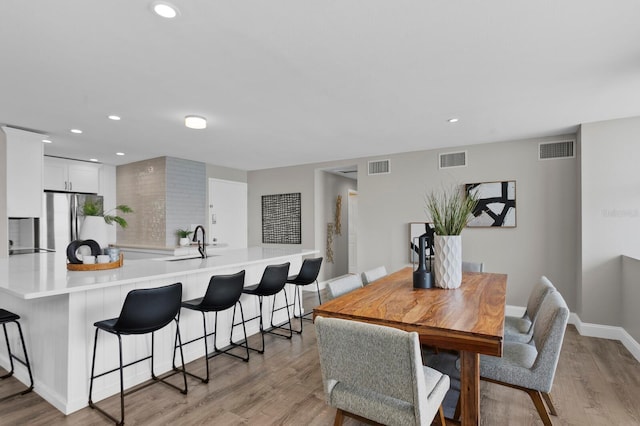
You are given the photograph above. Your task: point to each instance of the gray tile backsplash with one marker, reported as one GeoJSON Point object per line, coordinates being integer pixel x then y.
{"type": "Point", "coordinates": [166, 194]}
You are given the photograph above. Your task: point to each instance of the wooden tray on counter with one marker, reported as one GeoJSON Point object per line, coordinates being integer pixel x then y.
{"type": "Point", "coordinates": [95, 266]}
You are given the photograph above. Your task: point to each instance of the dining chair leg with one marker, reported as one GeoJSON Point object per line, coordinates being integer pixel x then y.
{"type": "Point", "coordinates": [443, 421]}
{"type": "Point", "coordinates": [542, 410]}
{"type": "Point", "coordinates": [549, 401]}
{"type": "Point", "coordinates": [339, 418]}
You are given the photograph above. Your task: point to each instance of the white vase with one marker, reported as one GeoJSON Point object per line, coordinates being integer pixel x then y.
{"type": "Point", "coordinates": [94, 228]}
{"type": "Point", "coordinates": [185, 241]}
{"type": "Point", "coordinates": [448, 260]}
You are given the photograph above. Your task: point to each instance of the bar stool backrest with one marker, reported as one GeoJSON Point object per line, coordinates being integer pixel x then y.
{"type": "Point", "coordinates": [149, 309]}
{"type": "Point", "coordinates": [273, 279]}
{"type": "Point", "coordinates": [223, 291]}
{"type": "Point", "coordinates": [308, 272]}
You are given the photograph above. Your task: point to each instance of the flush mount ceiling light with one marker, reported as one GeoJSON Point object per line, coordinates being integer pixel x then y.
{"type": "Point", "coordinates": [453, 120]}
{"type": "Point", "coordinates": [114, 117]}
{"type": "Point", "coordinates": [78, 131]}
{"type": "Point", "coordinates": [166, 10]}
{"type": "Point", "coordinates": [47, 141]}
{"type": "Point", "coordinates": [95, 160]}
{"type": "Point", "coordinates": [195, 122]}
{"type": "Point", "coordinates": [120, 153]}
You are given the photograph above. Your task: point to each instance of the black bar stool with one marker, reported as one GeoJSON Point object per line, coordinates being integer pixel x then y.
{"type": "Point", "coordinates": [7, 317]}
{"type": "Point", "coordinates": [308, 275]}
{"type": "Point", "coordinates": [223, 292]}
{"type": "Point", "coordinates": [273, 280]}
{"type": "Point", "coordinates": [143, 311]}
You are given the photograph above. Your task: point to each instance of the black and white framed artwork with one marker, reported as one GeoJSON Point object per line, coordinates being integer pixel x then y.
{"type": "Point", "coordinates": [496, 204]}
{"type": "Point", "coordinates": [281, 219]}
{"type": "Point", "coordinates": [416, 229]}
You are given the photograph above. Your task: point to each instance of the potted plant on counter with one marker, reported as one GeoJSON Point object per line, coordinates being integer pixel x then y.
{"type": "Point", "coordinates": [450, 211]}
{"type": "Point", "coordinates": [95, 220]}
{"type": "Point", "coordinates": [183, 234]}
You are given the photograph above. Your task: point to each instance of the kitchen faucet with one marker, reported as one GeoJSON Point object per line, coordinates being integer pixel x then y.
{"type": "Point", "coordinates": [201, 248]}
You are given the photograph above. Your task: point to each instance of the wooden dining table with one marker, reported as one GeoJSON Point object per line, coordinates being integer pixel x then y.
{"type": "Point", "coordinates": [469, 319]}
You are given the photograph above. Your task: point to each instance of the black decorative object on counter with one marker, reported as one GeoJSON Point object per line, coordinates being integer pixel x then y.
{"type": "Point", "coordinates": [72, 250]}
{"type": "Point", "coordinates": [421, 276]}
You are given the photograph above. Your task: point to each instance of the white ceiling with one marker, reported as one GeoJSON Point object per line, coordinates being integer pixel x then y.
{"type": "Point", "coordinates": [287, 82]}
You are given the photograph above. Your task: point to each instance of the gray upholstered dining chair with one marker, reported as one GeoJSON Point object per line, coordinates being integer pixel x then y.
{"type": "Point", "coordinates": [373, 274]}
{"type": "Point", "coordinates": [375, 374]}
{"type": "Point", "coordinates": [472, 266]}
{"type": "Point", "coordinates": [531, 368]}
{"type": "Point", "coordinates": [344, 285]}
{"type": "Point", "coordinates": [520, 329]}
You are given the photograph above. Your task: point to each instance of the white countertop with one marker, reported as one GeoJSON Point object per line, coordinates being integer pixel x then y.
{"type": "Point", "coordinates": [31, 276]}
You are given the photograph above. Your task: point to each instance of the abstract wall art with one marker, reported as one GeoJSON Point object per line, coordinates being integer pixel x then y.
{"type": "Point", "coordinates": [496, 204]}
{"type": "Point", "coordinates": [281, 219]}
{"type": "Point", "coordinates": [417, 229]}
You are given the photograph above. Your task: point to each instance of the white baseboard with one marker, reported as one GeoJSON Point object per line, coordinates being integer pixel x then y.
{"type": "Point", "coordinates": [592, 330]}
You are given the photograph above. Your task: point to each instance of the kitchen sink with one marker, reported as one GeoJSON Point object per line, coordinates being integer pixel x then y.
{"type": "Point", "coordinates": [184, 258]}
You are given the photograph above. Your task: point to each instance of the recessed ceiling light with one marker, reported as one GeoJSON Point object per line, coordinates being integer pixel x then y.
{"type": "Point", "coordinates": [166, 10]}
{"type": "Point", "coordinates": [47, 141]}
{"type": "Point", "coordinates": [93, 159]}
{"type": "Point", "coordinates": [453, 120]}
{"type": "Point", "coordinates": [195, 122]}
{"type": "Point", "coordinates": [119, 153]}
{"type": "Point", "coordinates": [78, 131]}
{"type": "Point", "coordinates": [114, 117]}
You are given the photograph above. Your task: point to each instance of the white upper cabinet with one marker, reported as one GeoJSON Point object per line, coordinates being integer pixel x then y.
{"type": "Point", "coordinates": [24, 173]}
{"type": "Point", "coordinates": [61, 174]}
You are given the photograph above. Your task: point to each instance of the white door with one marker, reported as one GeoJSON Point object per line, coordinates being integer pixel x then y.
{"type": "Point", "coordinates": [228, 213]}
{"type": "Point", "coordinates": [353, 232]}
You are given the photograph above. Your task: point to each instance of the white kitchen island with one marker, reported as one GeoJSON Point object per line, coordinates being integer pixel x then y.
{"type": "Point", "coordinates": [58, 309]}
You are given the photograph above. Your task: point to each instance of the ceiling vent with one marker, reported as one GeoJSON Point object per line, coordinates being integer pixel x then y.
{"type": "Point", "coordinates": [553, 150]}
{"type": "Point", "coordinates": [380, 167]}
{"type": "Point", "coordinates": [453, 159]}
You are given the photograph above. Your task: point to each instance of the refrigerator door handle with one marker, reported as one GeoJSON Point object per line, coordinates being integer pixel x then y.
{"type": "Point", "coordinates": [74, 217]}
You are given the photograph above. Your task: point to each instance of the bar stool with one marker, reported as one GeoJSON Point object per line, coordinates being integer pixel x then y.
{"type": "Point", "coordinates": [273, 280]}
{"type": "Point", "coordinates": [223, 292]}
{"type": "Point", "coordinates": [143, 311]}
{"type": "Point", "coordinates": [7, 317]}
{"type": "Point", "coordinates": [308, 275]}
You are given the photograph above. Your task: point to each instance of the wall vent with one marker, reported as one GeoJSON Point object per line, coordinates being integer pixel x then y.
{"type": "Point", "coordinates": [453, 159]}
{"type": "Point", "coordinates": [559, 149]}
{"type": "Point", "coordinates": [380, 167]}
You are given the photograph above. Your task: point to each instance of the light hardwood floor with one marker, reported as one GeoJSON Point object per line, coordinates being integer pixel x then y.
{"type": "Point", "coordinates": [597, 383]}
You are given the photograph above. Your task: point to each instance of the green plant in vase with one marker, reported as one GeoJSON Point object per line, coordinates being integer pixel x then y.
{"type": "Point", "coordinates": [94, 228]}
{"type": "Point", "coordinates": [183, 234]}
{"type": "Point", "coordinates": [94, 208]}
{"type": "Point", "coordinates": [450, 211]}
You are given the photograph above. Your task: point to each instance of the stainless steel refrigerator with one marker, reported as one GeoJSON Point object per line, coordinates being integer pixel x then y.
{"type": "Point", "coordinates": [62, 218]}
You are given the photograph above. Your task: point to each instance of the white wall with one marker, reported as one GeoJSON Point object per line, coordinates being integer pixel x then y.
{"type": "Point", "coordinates": [631, 296]}
{"type": "Point", "coordinates": [544, 242]}
{"type": "Point", "coordinates": [610, 210]}
{"type": "Point", "coordinates": [4, 220]}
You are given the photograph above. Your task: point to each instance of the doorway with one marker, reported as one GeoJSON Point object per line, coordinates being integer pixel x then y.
{"type": "Point", "coordinates": [227, 213]}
